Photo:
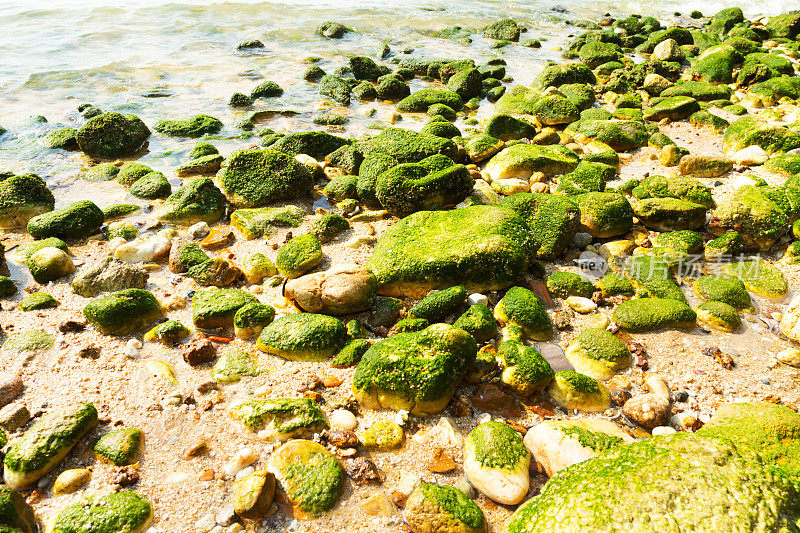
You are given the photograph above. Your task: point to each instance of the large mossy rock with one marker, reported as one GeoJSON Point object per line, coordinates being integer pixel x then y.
{"type": "Point", "coordinates": [76, 221]}
{"type": "Point", "coordinates": [553, 220]}
{"type": "Point", "coordinates": [618, 134]}
{"type": "Point", "coordinates": [112, 135]}
{"type": "Point", "coordinates": [255, 178]}
{"type": "Point", "coordinates": [119, 511]}
{"type": "Point", "coordinates": [480, 247]}
{"type": "Point", "coordinates": [22, 198]}
{"type": "Point", "coordinates": [416, 371]}
{"type": "Point", "coordinates": [757, 219]}
{"type": "Point", "coordinates": [680, 482]}
{"type": "Point", "coordinates": [750, 131]}
{"type": "Point", "coordinates": [558, 75]}
{"type": "Point", "coordinates": [123, 312]}
{"type": "Point", "coordinates": [199, 200]}
{"type": "Point", "coordinates": [522, 160]}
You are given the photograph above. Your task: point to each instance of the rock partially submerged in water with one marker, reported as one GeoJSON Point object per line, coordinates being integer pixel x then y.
{"type": "Point", "coordinates": [480, 247]}
{"type": "Point", "coordinates": [196, 126]}
{"type": "Point", "coordinates": [112, 135]}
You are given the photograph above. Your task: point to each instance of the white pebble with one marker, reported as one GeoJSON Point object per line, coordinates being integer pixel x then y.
{"type": "Point", "coordinates": [343, 419]}
{"type": "Point", "coordinates": [581, 305]}
{"type": "Point", "coordinates": [663, 430]}
{"type": "Point", "coordinates": [131, 349]}
{"type": "Point", "coordinates": [483, 418]}
{"type": "Point", "coordinates": [478, 299]}
{"type": "Point", "coordinates": [199, 230]}
{"type": "Point", "coordinates": [245, 472]}
{"type": "Point", "coordinates": [401, 417]}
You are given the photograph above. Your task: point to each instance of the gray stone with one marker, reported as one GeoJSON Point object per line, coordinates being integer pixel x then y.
{"type": "Point", "coordinates": [108, 275]}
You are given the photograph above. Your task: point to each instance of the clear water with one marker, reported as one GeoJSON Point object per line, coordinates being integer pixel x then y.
{"type": "Point", "coordinates": [173, 59]}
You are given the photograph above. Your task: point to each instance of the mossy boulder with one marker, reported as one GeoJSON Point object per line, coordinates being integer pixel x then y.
{"type": "Point", "coordinates": [749, 131]}
{"type": "Point", "coordinates": [507, 128]}
{"type": "Point", "coordinates": [281, 418]}
{"type": "Point", "coordinates": [317, 144]}
{"type": "Point", "coordinates": [433, 183]}
{"type": "Point", "coordinates": [64, 138]}
{"type": "Point", "coordinates": [438, 305]}
{"type": "Point", "coordinates": [250, 320]}
{"type": "Point", "coordinates": [37, 301]}
{"type": "Point", "coordinates": [524, 369]}
{"type": "Point", "coordinates": [16, 516]}
{"type": "Point", "coordinates": [119, 446]}
{"type": "Point", "coordinates": [701, 166]}
{"type": "Point", "coordinates": [23, 198]}
{"type": "Point", "coordinates": [618, 134]}
{"type": "Point", "coordinates": [522, 308]}
{"type": "Point", "coordinates": [651, 272]}
{"type": "Point", "coordinates": [573, 390]}
{"type": "Point", "coordinates": [553, 220]}
{"type": "Point", "coordinates": [661, 484]}
{"type": "Point", "coordinates": [421, 100]}
{"type": "Point", "coordinates": [123, 312]}
{"type": "Point", "coordinates": [522, 160]}
{"type": "Point", "coordinates": [205, 165]}
{"type": "Point", "coordinates": [196, 126]}
{"type": "Point", "coordinates": [563, 284]}
{"type": "Point", "coordinates": [479, 322]}
{"type": "Point", "coordinates": [595, 53]}
{"type": "Point", "coordinates": [112, 135]}
{"type": "Point", "coordinates": [727, 289]}
{"type": "Point", "coordinates": [479, 247]}
{"type": "Point", "coordinates": [266, 89]}
{"type": "Point", "coordinates": [216, 308]}
{"type": "Point", "coordinates": [198, 200]}
{"type": "Point", "coordinates": [719, 316]}
{"type": "Point", "coordinates": [255, 178]}
{"type": "Point", "coordinates": [335, 88]}
{"type": "Point", "coordinates": [503, 30]}
{"type": "Point", "coordinates": [716, 64]}
{"type": "Point", "coordinates": [303, 337]}
{"type": "Point", "coordinates": [351, 354]}
{"type": "Point", "coordinates": [757, 219]}
{"type": "Point", "coordinates": [669, 214]}
{"type": "Point", "coordinates": [151, 187]}
{"type": "Point", "coordinates": [263, 221]}
{"type": "Point", "coordinates": [119, 511]}
{"type": "Point", "coordinates": [433, 507]}
{"type": "Point", "coordinates": [310, 476]}
{"type": "Point", "coordinates": [327, 226]}
{"type": "Point", "coordinates": [699, 90]}
{"type": "Point", "coordinates": [645, 314]}
{"type": "Point", "coordinates": [77, 221]}
{"type": "Point", "coordinates": [683, 188]}
{"type": "Point", "coordinates": [466, 84]}
{"type": "Point", "coordinates": [604, 214]}
{"type": "Point", "coordinates": [49, 264]}
{"type": "Point", "coordinates": [416, 371]}
{"type": "Point", "coordinates": [760, 277]}
{"type": "Point", "coordinates": [786, 26]}
{"type": "Point", "coordinates": [614, 284]}
{"type": "Point", "coordinates": [234, 365]}
{"type": "Point", "coordinates": [298, 256]}
{"type": "Point", "coordinates": [567, 73]}
{"type": "Point", "coordinates": [46, 443]}
{"type": "Point", "coordinates": [496, 462]}
{"type": "Point", "coordinates": [598, 354]}
{"type": "Point", "coordinates": [169, 332]}
{"type": "Point", "coordinates": [672, 108]}
{"type": "Point", "coordinates": [31, 340]}
{"type": "Point", "coordinates": [554, 110]}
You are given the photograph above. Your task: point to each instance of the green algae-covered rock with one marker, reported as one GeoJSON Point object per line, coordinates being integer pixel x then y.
{"type": "Point", "coordinates": [23, 198]}
{"type": "Point", "coordinates": [326, 226]}
{"type": "Point", "coordinates": [699, 90]}
{"type": "Point", "coordinates": [416, 371]}
{"type": "Point", "coordinates": [727, 289]}
{"type": "Point", "coordinates": [37, 301]}
{"type": "Point", "coordinates": [662, 484]}
{"type": "Point", "coordinates": [298, 256]}
{"type": "Point", "coordinates": [421, 100]}
{"type": "Point", "coordinates": [130, 172]}
{"type": "Point", "coordinates": [441, 128]}
{"type": "Point", "coordinates": [598, 354]}
{"type": "Point", "coordinates": [7, 287]}
{"type": "Point", "coordinates": [716, 64]}
{"type": "Point", "coordinates": [335, 88]}
{"type": "Point", "coordinates": [507, 128]}
{"type": "Point", "coordinates": [119, 446]}
{"type": "Point", "coordinates": [786, 25]}
{"type": "Point", "coordinates": [262, 221]}
{"type": "Point", "coordinates": [49, 264]}
{"type": "Point", "coordinates": [205, 165]}
{"type": "Point", "coordinates": [618, 134]}
{"type": "Point", "coordinates": [151, 186]}
{"type": "Point", "coordinates": [573, 390]}
{"type": "Point", "coordinates": [563, 284]}
{"type": "Point", "coordinates": [251, 319]}
{"type": "Point", "coordinates": [479, 322]}
{"type": "Point", "coordinates": [255, 178]}
{"type": "Point", "coordinates": [681, 187]}
{"type": "Point", "coordinates": [524, 369]}
{"type": "Point", "coordinates": [438, 305]}
{"type": "Point", "coordinates": [123, 229]}
{"type": "Point", "coordinates": [317, 144]}
{"type": "Point", "coordinates": [728, 244]}
{"type": "Point", "coordinates": [604, 214]}
{"type": "Point", "coordinates": [553, 110]}
{"type": "Point", "coordinates": [479, 247]}
{"type": "Point", "coordinates": [408, 325]}
{"type": "Point", "coordinates": [568, 73]}
{"type": "Point", "coordinates": [404, 146]}
{"type": "Point", "coordinates": [675, 247]}
{"type": "Point", "coordinates": [168, 332]}
{"type": "Point", "coordinates": [771, 430]}
{"type": "Point", "coordinates": [28, 341]}
{"type": "Point", "coordinates": [310, 475]}
{"type": "Point", "coordinates": [522, 160]}
{"type": "Point", "coordinates": [216, 308]}
{"type": "Point", "coordinates": [758, 220]}
{"type": "Point", "coordinates": [669, 214]}
{"type": "Point", "coordinates": [433, 183]}
{"type": "Point", "coordinates": [718, 315]}
{"type": "Point", "coordinates": [303, 337]}
{"type": "Point", "coordinates": [496, 462]}
{"type": "Point", "coordinates": [595, 53]}
{"type": "Point", "coordinates": [351, 354]}
{"type": "Point", "coordinates": [673, 108]}
{"type": "Point", "coordinates": [466, 84]}
{"type": "Point", "coordinates": [266, 89]}
{"type": "Point", "coordinates": [16, 516]}
{"type": "Point", "coordinates": [112, 135]}
{"type": "Point", "coordinates": [283, 418]}
{"type": "Point", "coordinates": [198, 200]}
{"type": "Point", "coordinates": [707, 120]}
{"type": "Point", "coordinates": [614, 284]}
{"type": "Point", "coordinates": [196, 126]}
{"type": "Point", "coordinates": [64, 138]}
{"type": "Point", "coordinates": [504, 30]}
{"type": "Point", "coordinates": [645, 314]}
{"type": "Point", "coordinates": [46, 443]}
{"type": "Point", "coordinates": [442, 508]}
{"type": "Point", "coordinates": [750, 131]}
{"type": "Point", "coordinates": [232, 366]}
{"type": "Point", "coordinates": [123, 312]}
{"type": "Point", "coordinates": [123, 511]}
{"type": "Point", "coordinates": [553, 220]}
{"type": "Point", "coordinates": [119, 210]}
{"type": "Point", "coordinates": [588, 176]}
{"type": "Point", "coordinates": [77, 221]}
{"type": "Point", "coordinates": [520, 307]}
{"type": "Point", "coordinates": [383, 435]}
{"type": "Point", "coordinates": [760, 277]}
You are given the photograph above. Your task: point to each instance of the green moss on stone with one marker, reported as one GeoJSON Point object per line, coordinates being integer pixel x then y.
{"type": "Point", "coordinates": [303, 337]}
{"type": "Point", "coordinates": [645, 314]}
{"type": "Point", "coordinates": [123, 312]}
{"type": "Point", "coordinates": [520, 307]}
{"type": "Point", "coordinates": [79, 220]}
{"type": "Point", "coordinates": [119, 446]}
{"type": "Point", "coordinates": [112, 135]}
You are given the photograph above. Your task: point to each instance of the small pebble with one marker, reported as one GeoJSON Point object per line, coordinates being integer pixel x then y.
{"type": "Point", "coordinates": [199, 230]}
{"type": "Point", "coordinates": [344, 419]}
{"type": "Point", "coordinates": [663, 430]}
{"type": "Point", "coordinates": [478, 299]}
